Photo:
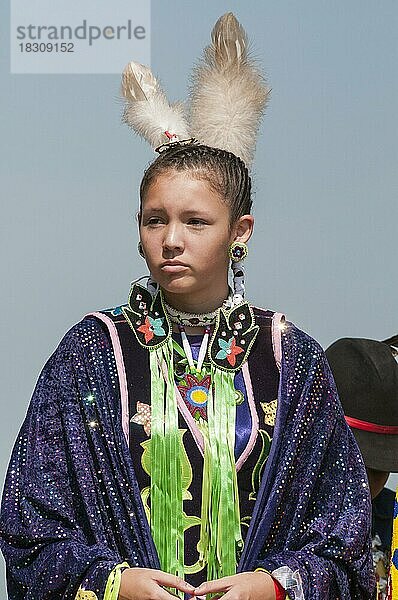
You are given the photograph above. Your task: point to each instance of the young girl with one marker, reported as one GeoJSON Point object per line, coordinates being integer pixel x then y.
{"type": "Point", "coordinates": [187, 442]}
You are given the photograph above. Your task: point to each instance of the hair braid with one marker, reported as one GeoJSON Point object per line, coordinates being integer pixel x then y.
{"type": "Point", "coordinates": [225, 172]}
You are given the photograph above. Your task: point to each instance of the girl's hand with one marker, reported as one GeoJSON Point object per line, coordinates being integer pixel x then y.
{"type": "Point", "coordinates": [148, 584]}
{"type": "Point", "coordinates": [252, 585]}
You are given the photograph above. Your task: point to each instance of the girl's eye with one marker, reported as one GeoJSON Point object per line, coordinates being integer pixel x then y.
{"type": "Point", "coordinates": [197, 222]}
{"type": "Point", "coordinates": [154, 221]}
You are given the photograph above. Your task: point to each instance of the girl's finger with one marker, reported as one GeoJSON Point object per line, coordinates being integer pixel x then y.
{"type": "Point", "coordinates": [172, 581]}
{"type": "Point", "coordinates": [163, 594]}
{"type": "Point", "coordinates": [211, 587]}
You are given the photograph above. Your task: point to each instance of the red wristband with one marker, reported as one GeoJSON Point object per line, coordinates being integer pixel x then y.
{"type": "Point", "coordinates": [280, 591]}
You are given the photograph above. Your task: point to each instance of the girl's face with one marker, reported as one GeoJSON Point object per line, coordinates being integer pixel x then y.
{"type": "Point", "coordinates": [185, 234]}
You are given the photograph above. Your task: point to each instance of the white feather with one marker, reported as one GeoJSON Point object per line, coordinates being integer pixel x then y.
{"type": "Point", "coordinates": [229, 93]}
{"type": "Point", "coordinates": [147, 109]}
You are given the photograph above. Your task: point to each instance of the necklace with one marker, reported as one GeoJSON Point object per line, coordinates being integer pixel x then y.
{"type": "Point", "coordinates": [186, 319]}
{"type": "Point", "coordinates": [192, 376]}
{"type": "Point", "coordinates": [188, 351]}
{"type": "Point", "coordinates": [179, 317]}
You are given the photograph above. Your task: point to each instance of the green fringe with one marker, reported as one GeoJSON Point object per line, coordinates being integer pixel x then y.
{"type": "Point", "coordinates": [220, 518]}
{"type": "Point", "coordinates": [166, 486]}
{"type": "Point", "coordinates": [220, 532]}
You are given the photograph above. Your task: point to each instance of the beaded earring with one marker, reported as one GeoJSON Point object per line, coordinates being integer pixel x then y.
{"type": "Point", "coordinates": [152, 286]}
{"type": "Point", "coordinates": [237, 253]}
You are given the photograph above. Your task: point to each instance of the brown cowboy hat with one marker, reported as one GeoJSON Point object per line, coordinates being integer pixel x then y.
{"type": "Point", "coordinates": [366, 375]}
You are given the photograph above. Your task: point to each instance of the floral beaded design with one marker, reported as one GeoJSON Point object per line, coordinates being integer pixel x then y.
{"type": "Point", "coordinates": [146, 317]}
{"type": "Point", "coordinates": [194, 391]}
{"type": "Point", "coordinates": [229, 350]}
{"type": "Point", "coordinates": [151, 328]}
{"type": "Point", "coordinates": [269, 409]}
{"type": "Point", "coordinates": [143, 417]}
{"type": "Point", "coordinates": [233, 337]}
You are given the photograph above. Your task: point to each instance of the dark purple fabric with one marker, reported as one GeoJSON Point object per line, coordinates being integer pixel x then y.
{"type": "Point", "coordinates": [71, 507]}
{"type": "Point", "coordinates": [313, 512]}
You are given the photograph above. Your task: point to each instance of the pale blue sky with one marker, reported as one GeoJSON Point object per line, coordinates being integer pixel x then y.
{"type": "Point", "coordinates": [326, 181]}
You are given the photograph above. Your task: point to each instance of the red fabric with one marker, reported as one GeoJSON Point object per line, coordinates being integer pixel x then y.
{"type": "Point", "coordinates": [280, 591]}
{"type": "Point", "coordinates": [365, 426]}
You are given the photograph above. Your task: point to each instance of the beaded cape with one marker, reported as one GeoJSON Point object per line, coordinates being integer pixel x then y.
{"type": "Point", "coordinates": [72, 511]}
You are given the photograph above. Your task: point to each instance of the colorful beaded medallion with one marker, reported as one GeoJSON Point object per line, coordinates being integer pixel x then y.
{"type": "Point", "coordinates": [194, 391]}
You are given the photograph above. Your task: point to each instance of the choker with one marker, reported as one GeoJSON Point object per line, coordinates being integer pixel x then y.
{"type": "Point", "coordinates": [186, 319]}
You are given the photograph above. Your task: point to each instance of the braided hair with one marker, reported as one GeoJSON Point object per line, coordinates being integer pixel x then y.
{"type": "Point", "coordinates": [225, 172]}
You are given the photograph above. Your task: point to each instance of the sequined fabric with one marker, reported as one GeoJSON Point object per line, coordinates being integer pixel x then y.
{"type": "Point", "coordinates": [313, 512]}
{"type": "Point", "coordinates": [71, 506]}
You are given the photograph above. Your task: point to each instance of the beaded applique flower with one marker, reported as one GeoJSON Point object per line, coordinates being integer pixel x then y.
{"type": "Point", "coordinates": [194, 391]}
{"type": "Point", "coordinates": [152, 327]}
{"type": "Point", "coordinates": [233, 337]}
{"type": "Point", "coordinates": [143, 417]}
{"type": "Point", "coordinates": [269, 409]}
{"type": "Point", "coordinates": [147, 318]}
{"type": "Point", "coordinates": [229, 350]}
{"type": "Point", "coordinates": [115, 311]}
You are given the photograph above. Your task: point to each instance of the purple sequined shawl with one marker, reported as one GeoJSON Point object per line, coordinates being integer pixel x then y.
{"type": "Point", "coordinates": [71, 507]}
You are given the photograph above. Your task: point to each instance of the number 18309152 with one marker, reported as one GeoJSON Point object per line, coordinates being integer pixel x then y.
{"type": "Point", "coordinates": [46, 47]}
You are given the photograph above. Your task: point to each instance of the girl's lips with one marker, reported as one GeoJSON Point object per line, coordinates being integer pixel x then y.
{"type": "Point", "coordinates": [173, 268]}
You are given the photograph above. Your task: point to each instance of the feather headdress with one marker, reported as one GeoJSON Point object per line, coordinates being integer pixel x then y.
{"type": "Point", "coordinates": [147, 109]}
{"type": "Point", "coordinates": [228, 97]}
{"type": "Point", "coordinates": [229, 93]}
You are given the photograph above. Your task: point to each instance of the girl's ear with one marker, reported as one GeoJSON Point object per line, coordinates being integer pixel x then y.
{"type": "Point", "coordinates": [243, 228]}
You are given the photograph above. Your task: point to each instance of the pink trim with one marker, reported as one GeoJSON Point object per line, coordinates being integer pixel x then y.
{"type": "Point", "coordinates": [276, 338]}
{"type": "Point", "coordinates": [198, 437]}
{"type": "Point", "coordinates": [254, 416]}
{"type": "Point", "coordinates": [120, 369]}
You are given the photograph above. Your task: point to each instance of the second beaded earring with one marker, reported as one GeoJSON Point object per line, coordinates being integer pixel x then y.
{"type": "Point", "coordinates": [237, 253]}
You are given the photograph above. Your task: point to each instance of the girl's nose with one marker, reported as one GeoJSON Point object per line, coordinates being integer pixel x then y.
{"type": "Point", "coordinates": [173, 238]}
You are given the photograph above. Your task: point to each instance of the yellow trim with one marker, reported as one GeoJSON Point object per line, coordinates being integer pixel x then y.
{"type": "Point", "coordinates": [112, 587]}
{"type": "Point", "coordinates": [264, 570]}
